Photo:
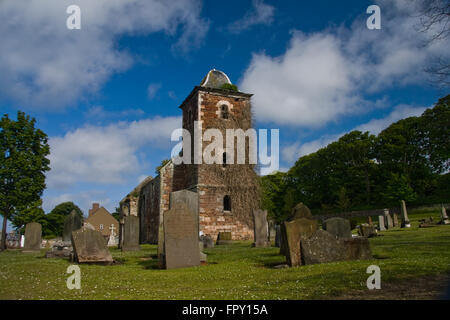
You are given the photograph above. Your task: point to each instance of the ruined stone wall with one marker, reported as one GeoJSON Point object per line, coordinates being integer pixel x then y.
{"type": "Point", "coordinates": [149, 207]}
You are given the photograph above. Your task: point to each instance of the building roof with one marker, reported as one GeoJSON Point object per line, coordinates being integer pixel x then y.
{"type": "Point", "coordinates": [215, 79]}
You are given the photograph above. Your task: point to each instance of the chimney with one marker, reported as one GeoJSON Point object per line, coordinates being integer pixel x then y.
{"type": "Point", "coordinates": [95, 207]}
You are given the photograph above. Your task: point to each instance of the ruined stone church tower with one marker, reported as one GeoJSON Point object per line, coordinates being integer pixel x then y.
{"type": "Point", "coordinates": [227, 192]}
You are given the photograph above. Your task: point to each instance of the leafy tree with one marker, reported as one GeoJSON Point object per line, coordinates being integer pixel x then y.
{"type": "Point", "coordinates": [32, 213]}
{"type": "Point", "coordinates": [23, 163]}
{"type": "Point", "coordinates": [273, 189]}
{"type": "Point", "coordinates": [398, 188]}
{"type": "Point", "coordinates": [343, 202]}
{"type": "Point", "coordinates": [116, 214]}
{"type": "Point", "coordinates": [57, 216]}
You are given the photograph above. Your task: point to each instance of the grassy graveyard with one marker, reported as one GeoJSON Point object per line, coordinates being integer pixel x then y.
{"type": "Point", "coordinates": [407, 257]}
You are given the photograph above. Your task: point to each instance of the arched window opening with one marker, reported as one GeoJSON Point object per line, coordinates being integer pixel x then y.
{"type": "Point", "coordinates": [224, 111]}
{"type": "Point", "coordinates": [227, 203]}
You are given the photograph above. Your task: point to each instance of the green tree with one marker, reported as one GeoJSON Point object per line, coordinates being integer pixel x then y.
{"type": "Point", "coordinates": [32, 213]}
{"type": "Point", "coordinates": [397, 188]}
{"type": "Point", "coordinates": [273, 190]}
{"type": "Point", "coordinates": [57, 216]}
{"type": "Point", "coordinates": [343, 202]}
{"type": "Point", "coordinates": [116, 213]}
{"type": "Point", "coordinates": [23, 163]}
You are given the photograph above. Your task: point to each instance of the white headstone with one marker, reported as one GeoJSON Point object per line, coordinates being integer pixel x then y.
{"type": "Point", "coordinates": [22, 241]}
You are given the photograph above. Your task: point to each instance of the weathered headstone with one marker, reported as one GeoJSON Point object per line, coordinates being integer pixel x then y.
{"type": "Point", "coordinates": [272, 230]}
{"type": "Point", "coordinates": [388, 219]}
{"type": "Point", "coordinates": [208, 242]}
{"type": "Point", "coordinates": [297, 230]}
{"type": "Point", "coordinates": [161, 257]}
{"type": "Point", "coordinates": [89, 247]}
{"type": "Point", "coordinates": [338, 227]}
{"type": "Point", "coordinates": [381, 225]}
{"type": "Point", "coordinates": [395, 218]}
{"type": "Point", "coordinates": [181, 248]}
{"type": "Point", "coordinates": [366, 230]}
{"type": "Point", "coordinates": [277, 235]}
{"type": "Point", "coordinates": [369, 221]}
{"type": "Point", "coordinates": [71, 223]}
{"type": "Point", "coordinates": [190, 199]}
{"type": "Point", "coordinates": [224, 238]}
{"type": "Point", "coordinates": [323, 247]}
{"type": "Point", "coordinates": [113, 238]}
{"type": "Point", "coordinates": [130, 234]}
{"type": "Point", "coordinates": [300, 211]}
{"type": "Point", "coordinates": [60, 249]}
{"type": "Point", "coordinates": [444, 216]}
{"type": "Point", "coordinates": [261, 228]}
{"type": "Point", "coordinates": [405, 219]}
{"type": "Point", "coordinates": [33, 237]}
{"type": "Point", "coordinates": [203, 257]}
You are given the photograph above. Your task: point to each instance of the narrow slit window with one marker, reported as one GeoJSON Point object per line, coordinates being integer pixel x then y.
{"type": "Point", "coordinates": [227, 203]}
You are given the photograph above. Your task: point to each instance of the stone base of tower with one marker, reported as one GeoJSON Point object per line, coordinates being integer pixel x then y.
{"type": "Point", "coordinates": [214, 219]}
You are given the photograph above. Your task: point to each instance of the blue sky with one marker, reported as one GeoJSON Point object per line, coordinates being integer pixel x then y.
{"type": "Point", "coordinates": [108, 95]}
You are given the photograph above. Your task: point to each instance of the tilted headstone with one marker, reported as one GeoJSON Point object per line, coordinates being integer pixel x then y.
{"type": "Point", "coordinates": [261, 228]}
{"type": "Point", "coordinates": [89, 246]}
{"type": "Point", "coordinates": [224, 238]}
{"type": "Point", "coordinates": [297, 230]}
{"type": "Point", "coordinates": [366, 230]}
{"type": "Point", "coordinates": [71, 223]}
{"type": "Point", "coordinates": [405, 219]}
{"type": "Point", "coordinates": [181, 248]}
{"type": "Point", "coordinates": [381, 225]}
{"type": "Point", "coordinates": [33, 237]}
{"type": "Point", "coordinates": [339, 227]}
{"type": "Point", "coordinates": [323, 247]}
{"type": "Point", "coordinates": [388, 219]}
{"type": "Point", "coordinates": [130, 234]}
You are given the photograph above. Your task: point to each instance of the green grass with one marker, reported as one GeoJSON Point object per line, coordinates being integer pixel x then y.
{"type": "Point", "coordinates": [236, 271]}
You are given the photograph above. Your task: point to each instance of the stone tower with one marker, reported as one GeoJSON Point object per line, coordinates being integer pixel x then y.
{"type": "Point", "coordinates": [227, 191]}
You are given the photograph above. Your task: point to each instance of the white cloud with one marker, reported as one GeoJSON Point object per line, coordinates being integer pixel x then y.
{"type": "Point", "coordinates": [292, 152]}
{"type": "Point", "coordinates": [327, 75]}
{"type": "Point", "coordinates": [261, 13]}
{"type": "Point", "coordinates": [105, 154]}
{"type": "Point", "coordinates": [152, 89]}
{"type": "Point", "coordinates": [45, 64]}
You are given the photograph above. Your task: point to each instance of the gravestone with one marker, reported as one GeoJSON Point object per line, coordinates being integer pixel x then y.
{"type": "Point", "coordinates": [323, 247]}
{"type": "Point", "coordinates": [260, 228]}
{"type": "Point", "coordinates": [224, 238]}
{"type": "Point", "coordinates": [395, 218]}
{"type": "Point", "coordinates": [71, 223]}
{"type": "Point", "coordinates": [189, 198]}
{"type": "Point", "coordinates": [272, 230]}
{"type": "Point", "coordinates": [300, 211]}
{"type": "Point", "coordinates": [60, 249]}
{"type": "Point", "coordinates": [89, 247]}
{"type": "Point", "coordinates": [113, 238]}
{"type": "Point", "coordinates": [33, 237]}
{"type": "Point", "coordinates": [369, 221]}
{"type": "Point", "coordinates": [366, 230]}
{"type": "Point", "coordinates": [444, 216]}
{"type": "Point", "coordinates": [203, 257]}
{"type": "Point", "coordinates": [208, 242]}
{"type": "Point", "coordinates": [388, 219]}
{"type": "Point", "coordinates": [296, 231]}
{"type": "Point", "coordinates": [181, 248]}
{"type": "Point", "coordinates": [277, 235]}
{"type": "Point", "coordinates": [130, 234]}
{"type": "Point", "coordinates": [22, 241]}
{"type": "Point", "coordinates": [161, 258]}
{"type": "Point", "coordinates": [381, 225]}
{"type": "Point", "coordinates": [338, 227]}
{"type": "Point", "coordinates": [405, 219]}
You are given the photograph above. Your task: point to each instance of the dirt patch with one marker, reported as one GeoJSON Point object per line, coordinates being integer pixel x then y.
{"type": "Point", "coordinates": [423, 288]}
